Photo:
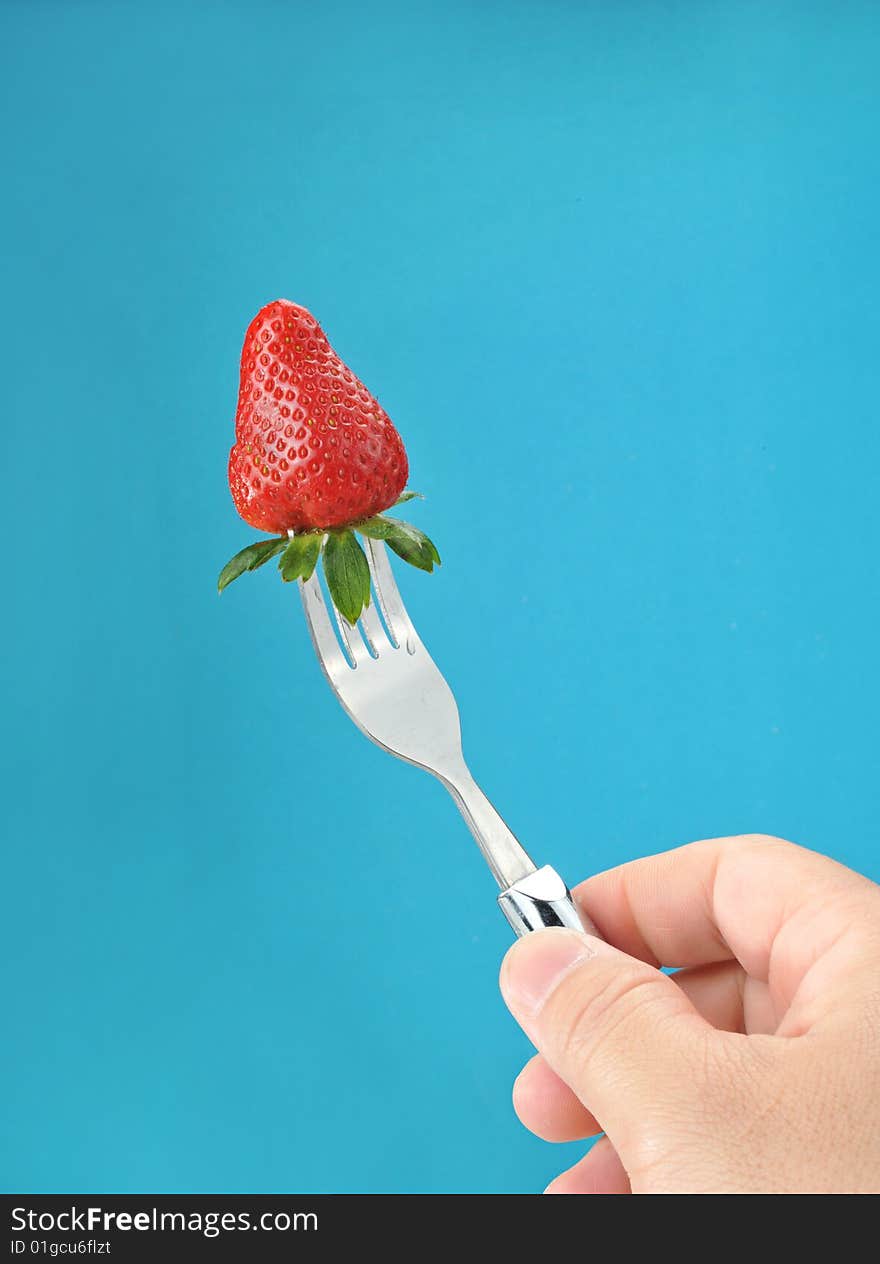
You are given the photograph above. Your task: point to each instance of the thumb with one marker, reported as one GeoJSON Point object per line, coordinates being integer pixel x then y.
{"type": "Point", "coordinates": [624, 1038]}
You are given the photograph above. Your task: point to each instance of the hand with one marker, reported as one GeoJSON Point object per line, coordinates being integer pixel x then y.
{"type": "Point", "coordinates": [755, 1068]}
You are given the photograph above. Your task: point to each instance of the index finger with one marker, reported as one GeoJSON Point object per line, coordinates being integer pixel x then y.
{"type": "Point", "coordinates": [723, 898]}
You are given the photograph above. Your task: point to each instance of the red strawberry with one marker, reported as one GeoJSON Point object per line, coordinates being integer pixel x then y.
{"type": "Point", "coordinates": [315, 457]}
{"type": "Point", "coordinates": [313, 448]}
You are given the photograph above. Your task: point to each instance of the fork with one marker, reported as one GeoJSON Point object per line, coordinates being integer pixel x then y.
{"type": "Point", "coordinates": [390, 686]}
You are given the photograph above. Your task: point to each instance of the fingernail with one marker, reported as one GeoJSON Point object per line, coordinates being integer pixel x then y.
{"type": "Point", "coordinates": [535, 965]}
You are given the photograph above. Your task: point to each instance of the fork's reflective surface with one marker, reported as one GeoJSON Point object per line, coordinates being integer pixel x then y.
{"type": "Point", "coordinates": [391, 687]}
{"type": "Point", "coordinates": [395, 693]}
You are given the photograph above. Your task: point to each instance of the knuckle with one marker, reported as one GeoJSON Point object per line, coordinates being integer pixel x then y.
{"type": "Point", "coordinates": [587, 1012]}
{"type": "Point", "coordinates": [763, 842]}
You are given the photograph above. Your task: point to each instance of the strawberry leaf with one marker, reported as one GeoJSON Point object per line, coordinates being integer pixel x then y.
{"type": "Point", "coordinates": [348, 575]}
{"type": "Point", "coordinates": [249, 559]}
{"type": "Point", "coordinates": [405, 496]}
{"type": "Point", "coordinates": [300, 557]}
{"type": "Point", "coordinates": [378, 528]}
{"type": "Point", "coordinates": [414, 547]}
{"type": "Point", "coordinates": [406, 540]}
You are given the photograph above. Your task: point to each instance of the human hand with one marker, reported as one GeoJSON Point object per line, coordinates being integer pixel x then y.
{"type": "Point", "coordinates": [755, 1068]}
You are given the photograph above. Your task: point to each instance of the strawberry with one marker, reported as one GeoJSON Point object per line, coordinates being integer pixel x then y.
{"type": "Point", "coordinates": [315, 458]}
{"type": "Point", "coordinates": [313, 449]}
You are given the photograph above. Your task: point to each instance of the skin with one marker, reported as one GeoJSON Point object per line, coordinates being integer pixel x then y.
{"type": "Point", "coordinates": [753, 1069]}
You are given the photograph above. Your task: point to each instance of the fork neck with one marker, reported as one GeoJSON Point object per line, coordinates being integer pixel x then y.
{"type": "Point", "coordinates": [503, 853]}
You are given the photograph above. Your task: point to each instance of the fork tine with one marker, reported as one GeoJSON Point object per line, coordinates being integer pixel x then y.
{"type": "Point", "coordinates": [321, 629]}
{"type": "Point", "coordinates": [354, 642]}
{"type": "Point", "coordinates": [398, 621]}
{"type": "Point", "coordinates": [372, 630]}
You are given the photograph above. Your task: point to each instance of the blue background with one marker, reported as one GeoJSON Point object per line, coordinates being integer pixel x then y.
{"type": "Point", "coordinates": [613, 270]}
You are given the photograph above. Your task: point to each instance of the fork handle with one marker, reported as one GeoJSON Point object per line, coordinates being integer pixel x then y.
{"type": "Point", "coordinates": [539, 900]}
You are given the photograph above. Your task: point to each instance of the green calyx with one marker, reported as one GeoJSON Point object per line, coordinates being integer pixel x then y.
{"type": "Point", "coordinates": [300, 557]}
{"type": "Point", "coordinates": [345, 564]}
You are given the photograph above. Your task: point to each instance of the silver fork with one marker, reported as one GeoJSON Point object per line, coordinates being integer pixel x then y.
{"type": "Point", "coordinates": [390, 686]}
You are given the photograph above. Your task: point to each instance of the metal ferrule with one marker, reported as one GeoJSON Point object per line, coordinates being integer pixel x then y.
{"type": "Point", "coordinates": [540, 900]}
